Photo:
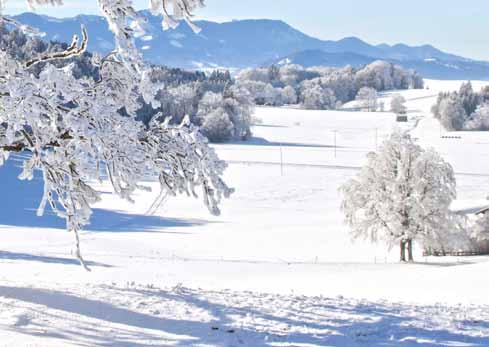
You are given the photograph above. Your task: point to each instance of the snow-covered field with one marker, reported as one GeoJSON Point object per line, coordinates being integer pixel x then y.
{"type": "Point", "coordinates": [277, 268]}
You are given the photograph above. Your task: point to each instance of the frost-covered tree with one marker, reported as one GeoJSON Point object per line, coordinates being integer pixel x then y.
{"type": "Point", "coordinates": [382, 75]}
{"type": "Point", "coordinates": [484, 95]}
{"type": "Point", "coordinates": [272, 96]}
{"type": "Point", "coordinates": [469, 99]}
{"type": "Point", "coordinates": [398, 104]}
{"type": "Point", "coordinates": [480, 230]}
{"type": "Point", "coordinates": [451, 112]}
{"type": "Point", "coordinates": [256, 75]}
{"type": "Point", "coordinates": [464, 109]}
{"type": "Point", "coordinates": [367, 99]}
{"type": "Point", "coordinates": [479, 120]}
{"type": "Point", "coordinates": [183, 102]}
{"type": "Point", "coordinates": [217, 125]}
{"type": "Point", "coordinates": [238, 103]}
{"type": "Point", "coordinates": [292, 75]}
{"type": "Point", "coordinates": [289, 95]}
{"type": "Point", "coordinates": [375, 75]}
{"type": "Point", "coordinates": [227, 116]}
{"type": "Point", "coordinates": [255, 88]}
{"type": "Point", "coordinates": [316, 97]}
{"type": "Point", "coordinates": [401, 195]}
{"type": "Point", "coordinates": [77, 130]}
{"type": "Point", "coordinates": [209, 102]}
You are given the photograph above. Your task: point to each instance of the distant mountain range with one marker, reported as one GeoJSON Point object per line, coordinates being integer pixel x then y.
{"type": "Point", "coordinates": [253, 43]}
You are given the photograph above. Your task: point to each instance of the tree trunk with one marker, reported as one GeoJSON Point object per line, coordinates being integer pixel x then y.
{"type": "Point", "coordinates": [410, 250]}
{"type": "Point", "coordinates": [402, 244]}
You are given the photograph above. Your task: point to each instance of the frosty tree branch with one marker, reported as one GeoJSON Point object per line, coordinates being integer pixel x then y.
{"type": "Point", "coordinates": [72, 51]}
{"type": "Point", "coordinates": [72, 128]}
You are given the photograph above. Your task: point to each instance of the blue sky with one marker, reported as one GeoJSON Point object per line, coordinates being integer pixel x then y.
{"type": "Point", "coordinates": [455, 26]}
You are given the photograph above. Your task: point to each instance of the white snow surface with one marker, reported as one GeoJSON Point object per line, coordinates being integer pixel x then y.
{"type": "Point", "coordinates": [277, 268]}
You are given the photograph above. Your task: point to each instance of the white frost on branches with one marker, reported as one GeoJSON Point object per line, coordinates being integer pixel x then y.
{"type": "Point", "coordinates": [398, 104]}
{"type": "Point", "coordinates": [402, 194]}
{"type": "Point", "coordinates": [480, 229]}
{"type": "Point", "coordinates": [367, 99]}
{"type": "Point", "coordinates": [80, 130]}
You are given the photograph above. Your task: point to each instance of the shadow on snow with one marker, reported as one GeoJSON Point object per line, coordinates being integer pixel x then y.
{"type": "Point", "coordinates": [326, 322]}
{"type": "Point", "coordinates": [19, 201]}
{"type": "Point", "coordinates": [4, 255]}
{"type": "Point", "coordinates": [259, 141]}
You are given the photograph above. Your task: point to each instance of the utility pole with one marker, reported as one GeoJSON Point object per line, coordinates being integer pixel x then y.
{"type": "Point", "coordinates": [335, 131]}
{"type": "Point", "coordinates": [376, 138]}
{"type": "Point", "coordinates": [281, 160]}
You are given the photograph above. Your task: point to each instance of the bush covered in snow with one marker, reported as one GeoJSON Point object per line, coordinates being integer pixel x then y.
{"type": "Point", "coordinates": [323, 87]}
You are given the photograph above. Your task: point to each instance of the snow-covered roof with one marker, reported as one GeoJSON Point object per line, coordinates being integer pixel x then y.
{"type": "Point", "coordinates": [464, 207]}
{"type": "Point", "coordinates": [483, 211]}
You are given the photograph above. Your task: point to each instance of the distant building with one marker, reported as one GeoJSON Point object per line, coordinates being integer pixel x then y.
{"type": "Point", "coordinates": [483, 211]}
{"type": "Point", "coordinates": [470, 208]}
{"type": "Point", "coordinates": [402, 118]}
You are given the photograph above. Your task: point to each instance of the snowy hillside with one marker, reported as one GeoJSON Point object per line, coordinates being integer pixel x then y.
{"type": "Point", "coordinates": [276, 269]}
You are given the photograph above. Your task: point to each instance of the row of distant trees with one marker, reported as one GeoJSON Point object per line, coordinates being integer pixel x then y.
{"type": "Point", "coordinates": [221, 108]}
{"type": "Point", "coordinates": [367, 99]}
{"type": "Point", "coordinates": [324, 87]}
{"type": "Point", "coordinates": [464, 109]}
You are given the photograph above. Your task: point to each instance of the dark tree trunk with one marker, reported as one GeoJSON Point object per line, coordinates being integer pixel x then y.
{"type": "Point", "coordinates": [410, 250]}
{"type": "Point", "coordinates": [402, 244]}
